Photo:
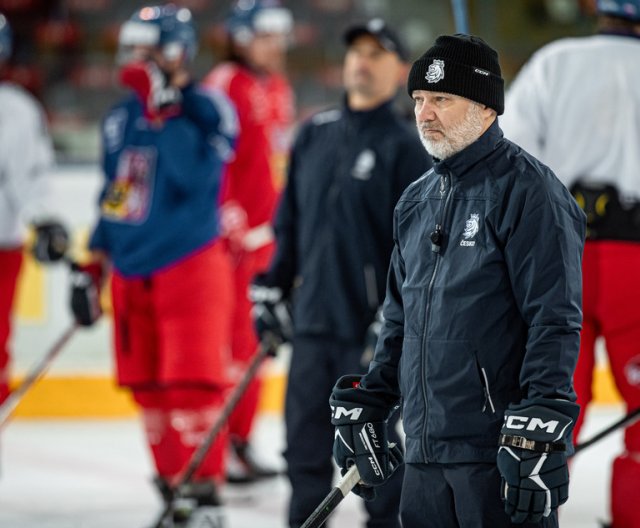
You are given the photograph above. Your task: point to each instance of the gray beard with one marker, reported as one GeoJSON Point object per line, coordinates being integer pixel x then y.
{"type": "Point", "coordinates": [458, 137]}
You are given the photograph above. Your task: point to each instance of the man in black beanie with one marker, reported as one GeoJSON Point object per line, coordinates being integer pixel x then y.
{"type": "Point", "coordinates": [481, 318]}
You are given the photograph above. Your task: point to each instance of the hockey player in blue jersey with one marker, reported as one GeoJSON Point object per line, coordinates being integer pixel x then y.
{"type": "Point", "coordinates": [165, 147]}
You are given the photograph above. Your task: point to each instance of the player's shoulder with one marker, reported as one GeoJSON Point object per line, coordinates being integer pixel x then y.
{"type": "Point", "coordinates": [229, 76]}
{"type": "Point", "coordinates": [325, 117]}
{"type": "Point", "coordinates": [17, 101]}
{"type": "Point", "coordinates": [569, 46]}
{"type": "Point", "coordinates": [116, 120]}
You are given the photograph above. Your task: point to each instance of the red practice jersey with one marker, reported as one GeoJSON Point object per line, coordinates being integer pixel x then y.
{"type": "Point", "coordinates": [265, 106]}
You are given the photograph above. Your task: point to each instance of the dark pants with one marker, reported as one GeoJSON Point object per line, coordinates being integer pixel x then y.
{"type": "Point", "coordinates": [456, 496]}
{"type": "Point", "coordinates": [316, 364]}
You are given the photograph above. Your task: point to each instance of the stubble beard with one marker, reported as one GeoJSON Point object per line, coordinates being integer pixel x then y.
{"type": "Point", "coordinates": [457, 137]}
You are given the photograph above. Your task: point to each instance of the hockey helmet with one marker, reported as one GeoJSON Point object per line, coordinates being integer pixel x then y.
{"type": "Point", "coordinates": [5, 38]}
{"type": "Point", "coordinates": [250, 17]}
{"type": "Point", "coordinates": [628, 9]}
{"type": "Point", "coordinates": [168, 28]}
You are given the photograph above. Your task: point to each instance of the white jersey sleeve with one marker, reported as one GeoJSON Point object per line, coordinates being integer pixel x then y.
{"type": "Point", "coordinates": [26, 160]}
{"type": "Point", "coordinates": [576, 106]}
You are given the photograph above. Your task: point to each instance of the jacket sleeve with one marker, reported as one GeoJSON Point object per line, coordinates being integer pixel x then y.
{"type": "Point", "coordinates": [113, 128]}
{"type": "Point", "coordinates": [29, 162]}
{"type": "Point", "coordinates": [211, 111]}
{"type": "Point", "coordinates": [543, 255]}
{"type": "Point", "coordinates": [382, 377]}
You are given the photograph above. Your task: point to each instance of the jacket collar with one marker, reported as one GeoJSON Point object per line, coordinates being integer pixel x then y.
{"type": "Point", "coordinates": [361, 118]}
{"type": "Point", "coordinates": [462, 161]}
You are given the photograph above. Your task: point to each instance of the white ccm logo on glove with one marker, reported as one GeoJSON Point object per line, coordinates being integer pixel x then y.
{"type": "Point", "coordinates": [520, 422]}
{"type": "Point", "coordinates": [352, 414]}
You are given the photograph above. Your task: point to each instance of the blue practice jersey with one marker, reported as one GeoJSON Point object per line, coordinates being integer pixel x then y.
{"type": "Point", "coordinates": [159, 203]}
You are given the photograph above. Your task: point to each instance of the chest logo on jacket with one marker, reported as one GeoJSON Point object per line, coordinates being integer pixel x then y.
{"type": "Point", "coordinates": [365, 162]}
{"type": "Point", "coordinates": [471, 228]}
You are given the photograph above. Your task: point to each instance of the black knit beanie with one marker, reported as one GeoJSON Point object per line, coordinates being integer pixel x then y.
{"type": "Point", "coordinates": [462, 65]}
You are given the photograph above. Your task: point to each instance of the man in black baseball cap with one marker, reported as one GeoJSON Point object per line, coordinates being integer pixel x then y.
{"type": "Point", "coordinates": [349, 166]}
{"type": "Point", "coordinates": [382, 32]}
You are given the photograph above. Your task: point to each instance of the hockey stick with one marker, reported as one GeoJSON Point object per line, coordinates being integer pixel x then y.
{"type": "Point", "coordinates": [331, 501]}
{"type": "Point", "coordinates": [460, 16]}
{"type": "Point", "coordinates": [266, 349]}
{"type": "Point", "coordinates": [628, 418]}
{"type": "Point", "coordinates": [16, 395]}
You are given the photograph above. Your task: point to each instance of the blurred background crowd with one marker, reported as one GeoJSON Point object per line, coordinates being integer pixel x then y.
{"type": "Point", "coordinates": [64, 49]}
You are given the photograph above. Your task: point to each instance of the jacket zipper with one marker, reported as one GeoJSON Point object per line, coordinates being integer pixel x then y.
{"type": "Point", "coordinates": [487, 392]}
{"type": "Point", "coordinates": [437, 237]}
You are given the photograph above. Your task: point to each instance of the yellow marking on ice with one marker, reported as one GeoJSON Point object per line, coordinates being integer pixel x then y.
{"type": "Point", "coordinates": [604, 388]}
{"type": "Point", "coordinates": [75, 396]}
{"type": "Point", "coordinates": [99, 396]}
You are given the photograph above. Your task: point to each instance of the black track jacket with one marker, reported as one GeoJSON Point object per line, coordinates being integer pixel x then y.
{"type": "Point", "coordinates": [334, 221]}
{"type": "Point", "coordinates": [489, 317]}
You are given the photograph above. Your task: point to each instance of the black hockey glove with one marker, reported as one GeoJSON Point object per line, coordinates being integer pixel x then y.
{"type": "Point", "coordinates": [52, 241]}
{"type": "Point", "coordinates": [361, 436]}
{"type": "Point", "coordinates": [85, 292]}
{"type": "Point", "coordinates": [271, 313]}
{"type": "Point", "coordinates": [532, 458]}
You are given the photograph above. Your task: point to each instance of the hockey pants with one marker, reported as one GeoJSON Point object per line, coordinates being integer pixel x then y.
{"type": "Point", "coordinates": [611, 289]}
{"type": "Point", "coordinates": [10, 262]}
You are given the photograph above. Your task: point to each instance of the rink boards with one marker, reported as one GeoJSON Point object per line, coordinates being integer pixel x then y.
{"type": "Point", "coordinates": [80, 383]}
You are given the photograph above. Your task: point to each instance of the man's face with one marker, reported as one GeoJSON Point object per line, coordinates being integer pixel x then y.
{"type": "Point", "coordinates": [371, 71]}
{"type": "Point", "coordinates": [267, 52]}
{"type": "Point", "coordinates": [448, 123]}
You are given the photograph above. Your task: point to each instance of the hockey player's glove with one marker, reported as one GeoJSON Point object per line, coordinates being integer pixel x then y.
{"type": "Point", "coordinates": [52, 241]}
{"type": "Point", "coordinates": [86, 280]}
{"type": "Point", "coordinates": [532, 458]}
{"type": "Point", "coordinates": [361, 436]}
{"type": "Point", "coordinates": [271, 313]}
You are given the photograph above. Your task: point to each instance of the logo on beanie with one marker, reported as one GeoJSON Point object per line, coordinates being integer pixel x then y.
{"type": "Point", "coordinates": [435, 72]}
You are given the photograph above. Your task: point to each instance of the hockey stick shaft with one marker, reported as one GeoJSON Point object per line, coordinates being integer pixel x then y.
{"type": "Point", "coordinates": [38, 371]}
{"type": "Point", "coordinates": [331, 501]}
{"type": "Point", "coordinates": [265, 349]}
{"type": "Point", "coordinates": [627, 419]}
{"type": "Point", "coordinates": [460, 16]}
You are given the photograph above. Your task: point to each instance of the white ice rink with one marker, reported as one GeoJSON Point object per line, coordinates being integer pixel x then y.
{"type": "Point", "coordinates": [96, 474]}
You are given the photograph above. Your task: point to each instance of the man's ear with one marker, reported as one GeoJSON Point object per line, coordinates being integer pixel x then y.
{"type": "Point", "coordinates": [488, 113]}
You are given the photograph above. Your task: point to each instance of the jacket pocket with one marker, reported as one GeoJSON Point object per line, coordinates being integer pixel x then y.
{"type": "Point", "coordinates": [459, 402]}
{"type": "Point", "coordinates": [488, 405]}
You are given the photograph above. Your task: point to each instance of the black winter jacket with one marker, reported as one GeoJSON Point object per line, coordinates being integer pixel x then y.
{"type": "Point", "coordinates": [489, 315]}
{"type": "Point", "coordinates": [334, 221]}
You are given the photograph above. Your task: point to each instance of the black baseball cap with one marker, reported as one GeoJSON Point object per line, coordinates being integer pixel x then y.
{"type": "Point", "coordinates": [382, 32]}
